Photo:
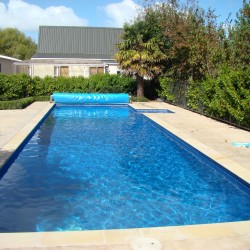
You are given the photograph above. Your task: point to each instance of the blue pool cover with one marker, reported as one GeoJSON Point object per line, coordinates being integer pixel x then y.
{"type": "Point", "coordinates": [90, 98]}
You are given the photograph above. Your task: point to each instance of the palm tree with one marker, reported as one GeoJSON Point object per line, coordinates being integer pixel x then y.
{"type": "Point", "coordinates": [140, 54]}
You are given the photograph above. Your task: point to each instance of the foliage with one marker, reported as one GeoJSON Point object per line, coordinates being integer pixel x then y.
{"type": "Point", "coordinates": [139, 99]}
{"type": "Point", "coordinates": [194, 38]}
{"type": "Point", "coordinates": [111, 84]}
{"type": "Point", "coordinates": [165, 91]}
{"type": "Point", "coordinates": [207, 66]}
{"type": "Point", "coordinates": [13, 87]}
{"type": "Point", "coordinates": [240, 38]}
{"type": "Point", "coordinates": [226, 97]}
{"type": "Point", "coordinates": [15, 44]}
{"type": "Point", "coordinates": [21, 103]}
{"type": "Point", "coordinates": [140, 54]}
{"type": "Point", "coordinates": [17, 104]}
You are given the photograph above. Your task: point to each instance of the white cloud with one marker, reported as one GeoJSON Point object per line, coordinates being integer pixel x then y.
{"type": "Point", "coordinates": [27, 17]}
{"type": "Point", "coordinates": [119, 13]}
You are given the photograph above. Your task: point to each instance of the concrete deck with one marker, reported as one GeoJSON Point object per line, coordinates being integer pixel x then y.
{"type": "Point", "coordinates": [211, 137]}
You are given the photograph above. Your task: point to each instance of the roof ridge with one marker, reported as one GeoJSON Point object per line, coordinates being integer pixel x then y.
{"type": "Point", "coordinates": [84, 27]}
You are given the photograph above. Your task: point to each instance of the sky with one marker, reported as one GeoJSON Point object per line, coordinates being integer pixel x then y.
{"type": "Point", "coordinates": [27, 15]}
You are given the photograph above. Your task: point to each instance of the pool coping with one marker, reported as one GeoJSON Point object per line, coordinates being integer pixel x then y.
{"type": "Point", "coordinates": [19, 139]}
{"type": "Point", "coordinates": [125, 236]}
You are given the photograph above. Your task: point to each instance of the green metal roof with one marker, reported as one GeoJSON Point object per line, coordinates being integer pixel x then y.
{"type": "Point", "coordinates": [77, 42]}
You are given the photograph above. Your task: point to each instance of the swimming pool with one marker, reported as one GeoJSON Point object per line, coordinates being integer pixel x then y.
{"type": "Point", "coordinates": [109, 167]}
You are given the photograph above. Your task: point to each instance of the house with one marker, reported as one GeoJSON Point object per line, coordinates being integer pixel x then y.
{"type": "Point", "coordinates": [74, 51]}
{"type": "Point", "coordinates": [6, 64]}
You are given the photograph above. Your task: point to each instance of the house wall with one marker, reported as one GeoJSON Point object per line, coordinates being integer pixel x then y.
{"type": "Point", "coordinates": [113, 69]}
{"type": "Point", "coordinates": [79, 70]}
{"type": "Point", "coordinates": [21, 69]}
{"type": "Point", "coordinates": [43, 70]}
{"type": "Point", "coordinates": [6, 66]}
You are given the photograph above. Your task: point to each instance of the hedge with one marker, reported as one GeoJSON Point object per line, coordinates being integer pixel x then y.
{"type": "Point", "coordinates": [224, 97]}
{"type": "Point", "coordinates": [13, 87]}
{"type": "Point", "coordinates": [21, 103]}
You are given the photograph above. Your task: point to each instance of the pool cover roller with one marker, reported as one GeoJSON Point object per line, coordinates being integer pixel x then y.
{"type": "Point", "coordinates": [90, 98]}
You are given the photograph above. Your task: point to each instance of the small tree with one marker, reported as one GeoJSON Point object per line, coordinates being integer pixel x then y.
{"type": "Point", "coordinates": [140, 53]}
{"type": "Point", "coordinates": [15, 44]}
{"type": "Point", "coordinates": [240, 38]}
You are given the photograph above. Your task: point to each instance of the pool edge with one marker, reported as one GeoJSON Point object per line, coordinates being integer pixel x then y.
{"type": "Point", "coordinates": [126, 237]}
{"type": "Point", "coordinates": [11, 147]}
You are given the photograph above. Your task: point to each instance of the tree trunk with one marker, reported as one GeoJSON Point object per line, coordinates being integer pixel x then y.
{"type": "Point", "coordinates": [140, 86]}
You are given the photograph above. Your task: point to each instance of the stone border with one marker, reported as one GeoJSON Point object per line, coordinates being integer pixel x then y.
{"type": "Point", "coordinates": [126, 237]}
{"type": "Point", "coordinates": [15, 142]}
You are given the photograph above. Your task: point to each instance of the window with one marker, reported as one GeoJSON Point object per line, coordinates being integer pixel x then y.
{"type": "Point", "coordinates": [100, 70]}
{"type": "Point", "coordinates": [96, 70]}
{"type": "Point", "coordinates": [64, 71]}
{"type": "Point", "coordinates": [92, 71]}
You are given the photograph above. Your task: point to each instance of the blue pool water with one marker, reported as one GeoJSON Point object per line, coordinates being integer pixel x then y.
{"type": "Point", "coordinates": [111, 167]}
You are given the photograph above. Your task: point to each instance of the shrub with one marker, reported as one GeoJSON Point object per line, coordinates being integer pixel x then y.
{"type": "Point", "coordinates": [16, 86]}
{"type": "Point", "coordinates": [13, 87]}
{"type": "Point", "coordinates": [139, 99]}
{"type": "Point", "coordinates": [16, 104]}
{"type": "Point", "coordinates": [165, 91]}
{"type": "Point", "coordinates": [111, 84]}
{"type": "Point", "coordinates": [21, 103]}
{"type": "Point", "coordinates": [225, 97]}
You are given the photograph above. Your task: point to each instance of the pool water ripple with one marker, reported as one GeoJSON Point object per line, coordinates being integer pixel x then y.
{"type": "Point", "coordinates": [109, 167]}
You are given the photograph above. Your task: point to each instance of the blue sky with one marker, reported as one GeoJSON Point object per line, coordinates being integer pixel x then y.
{"type": "Point", "coordinates": [27, 15]}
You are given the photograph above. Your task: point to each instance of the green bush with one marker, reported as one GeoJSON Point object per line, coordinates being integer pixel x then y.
{"type": "Point", "coordinates": [41, 98]}
{"type": "Point", "coordinates": [13, 87]}
{"type": "Point", "coordinates": [19, 87]}
{"type": "Point", "coordinates": [2, 91]}
{"type": "Point", "coordinates": [21, 103]}
{"type": "Point", "coordinates": [110, 84]}
{"type": "Point", "coordinates": [165, 91]}
{"type": "Point", "coordinates": [225, 97]}
{"type": "Point", "coordinates": [16, 104]}
{"type": "Point", "coordinates": [139, 99]}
